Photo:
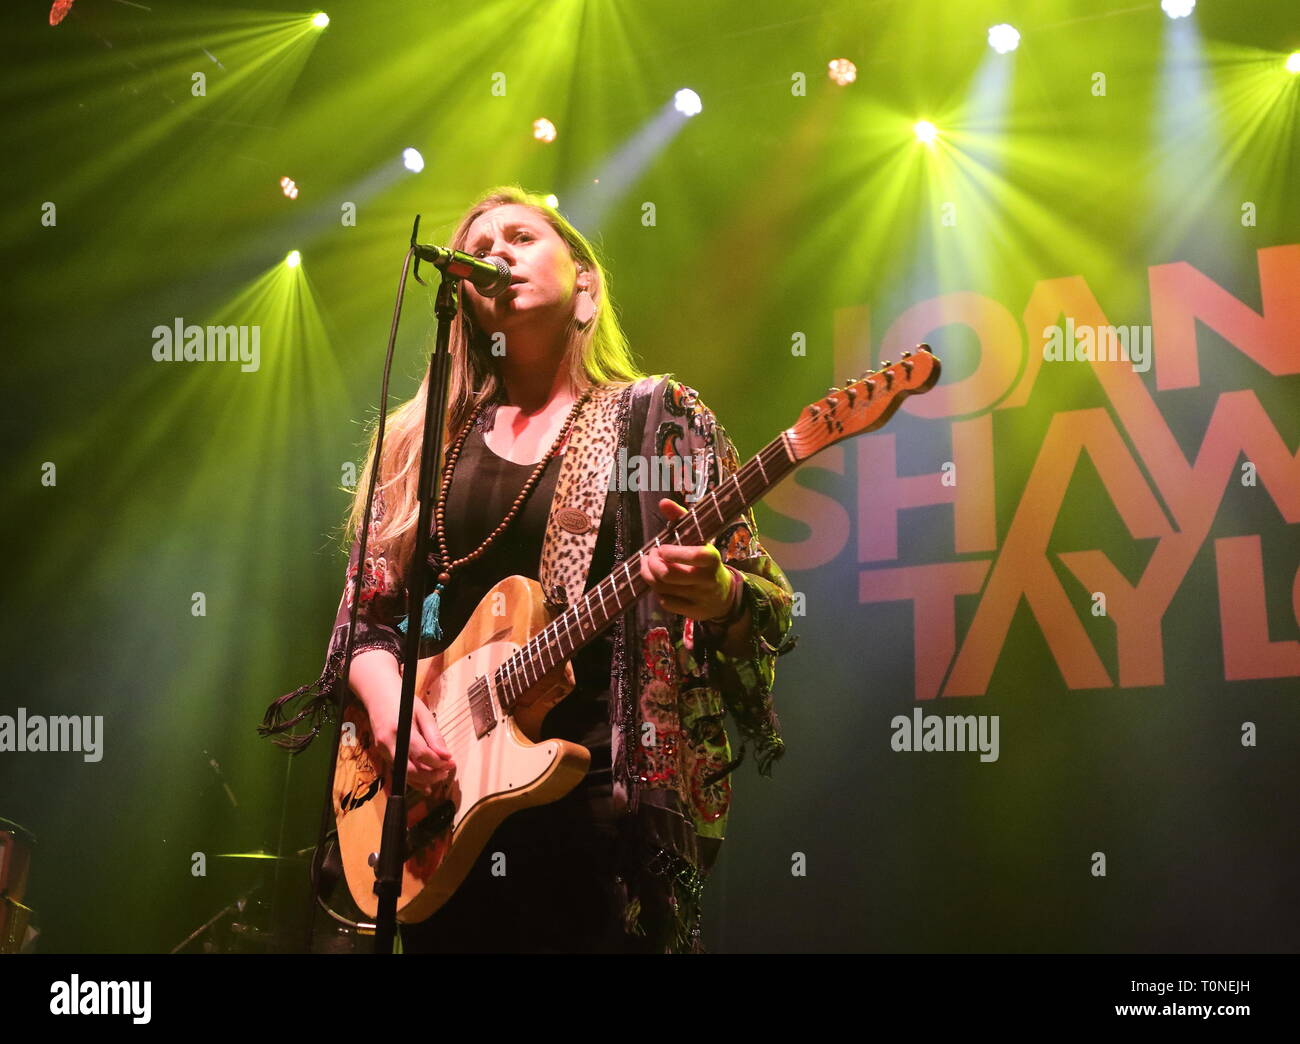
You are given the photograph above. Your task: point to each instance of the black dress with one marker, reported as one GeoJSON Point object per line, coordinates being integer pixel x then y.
{"type": "Point", "coordinates": [564, 863]}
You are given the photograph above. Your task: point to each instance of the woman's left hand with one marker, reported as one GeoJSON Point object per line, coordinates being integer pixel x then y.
{"type": "Point", "coordinates": [690, 581]}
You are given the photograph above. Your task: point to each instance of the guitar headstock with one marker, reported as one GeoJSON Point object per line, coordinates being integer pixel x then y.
{"type": "Point", "coordinates": [864, 404]}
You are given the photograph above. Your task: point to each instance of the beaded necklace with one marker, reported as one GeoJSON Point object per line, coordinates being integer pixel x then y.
{"type": "Point", "coordinates": [429, 625]}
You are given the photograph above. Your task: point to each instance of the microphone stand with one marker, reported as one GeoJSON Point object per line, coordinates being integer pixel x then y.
{"type": "Point", "coordinates": [392, 849]}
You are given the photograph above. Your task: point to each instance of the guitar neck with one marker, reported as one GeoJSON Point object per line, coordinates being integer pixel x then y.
{"type": "Point", "coordinates": [862, 405]}
{"type": "Point", "coordinates": [585, 620]}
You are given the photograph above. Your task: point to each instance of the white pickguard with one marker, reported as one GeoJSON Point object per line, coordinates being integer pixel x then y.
{"type": "Point", "coordinates": [500, 762]}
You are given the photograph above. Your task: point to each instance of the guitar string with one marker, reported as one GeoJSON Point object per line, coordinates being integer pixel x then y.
{"type": "Point", "coordinates": [549, 643]}
{"type": "Point", "coordinates": [520, 666]}
{"type": "Point", "coordinates": [516, 670]}
{"type": "Point", "coordinates": [522, 669]}
{"type": "Point", "coordinates": [550, 640]}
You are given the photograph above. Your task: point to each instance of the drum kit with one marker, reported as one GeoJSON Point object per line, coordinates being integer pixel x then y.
{"type": "Point", "coordinates": [255, 921]}
{"type": "Point", "coordinates": [17, 933]}
{"type": "Point", "coordinates": [259, 920]}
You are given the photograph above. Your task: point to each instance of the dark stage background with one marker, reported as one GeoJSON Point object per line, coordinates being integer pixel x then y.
{"type": "Point", "coordinates": [1117, 169]}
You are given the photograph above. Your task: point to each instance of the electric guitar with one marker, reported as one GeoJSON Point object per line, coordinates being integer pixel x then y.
{"type": "Point", "coordinates": [491, 688]}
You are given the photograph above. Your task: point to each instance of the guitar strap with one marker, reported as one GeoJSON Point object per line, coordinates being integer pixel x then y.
{"type": "Point", "coordinates": [579, 501]}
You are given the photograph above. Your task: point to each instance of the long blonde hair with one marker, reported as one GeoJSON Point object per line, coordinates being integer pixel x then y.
{"type": "Point", "coordinates": [595, 355]}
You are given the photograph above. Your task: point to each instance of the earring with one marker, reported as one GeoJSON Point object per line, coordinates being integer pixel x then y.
{"type": "Point", "coordinates": [584, 308]}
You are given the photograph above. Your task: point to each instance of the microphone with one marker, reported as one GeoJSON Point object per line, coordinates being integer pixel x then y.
{"type": "Point", "coordinates": [490, 275]}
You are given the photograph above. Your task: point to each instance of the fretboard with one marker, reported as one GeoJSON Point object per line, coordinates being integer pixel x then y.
{"type": "Point", "coordinates": [602, 604]}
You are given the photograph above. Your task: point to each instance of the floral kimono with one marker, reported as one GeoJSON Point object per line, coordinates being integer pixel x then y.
{"type": "Point", "coordinates": [671, 777]}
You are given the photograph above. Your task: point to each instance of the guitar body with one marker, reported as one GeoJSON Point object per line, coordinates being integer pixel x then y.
{"type": "Point", "coordinates": [498, 771]}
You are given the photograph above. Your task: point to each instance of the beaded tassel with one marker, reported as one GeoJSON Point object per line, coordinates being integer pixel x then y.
{"type": "Point", "coordinates": [429, 626]}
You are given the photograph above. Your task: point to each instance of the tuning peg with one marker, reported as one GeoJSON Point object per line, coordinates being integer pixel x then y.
{"type": "Point", "coordinates": [922, 347]}
{"type": "Point", "coordinates": [907, 355]}
{"type": "Point", "coordinates": [886, 365]}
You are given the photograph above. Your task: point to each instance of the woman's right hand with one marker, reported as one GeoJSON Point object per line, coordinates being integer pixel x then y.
{"type": "Point", "coordinates": [429, 761]}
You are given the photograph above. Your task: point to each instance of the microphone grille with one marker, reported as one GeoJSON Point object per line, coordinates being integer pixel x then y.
{"type": "Point", "coordinates": [502, 281]}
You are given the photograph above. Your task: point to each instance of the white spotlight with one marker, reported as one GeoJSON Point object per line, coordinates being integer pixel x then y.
{"type": "Point", "coordinates": [321, 20]}
{"type": "Point", "coordinates": [687, 102]}
{"type": "Point", "coordinates": [1003, 37]}
{"type": "Point", "coordinates": [1177, 8]}
{"type": "Point", "coordinates": [412, 160]}
{"type": "Point", "coordinates": [293, 259]}
{"type": "Point", "coordinates": [842, 71]}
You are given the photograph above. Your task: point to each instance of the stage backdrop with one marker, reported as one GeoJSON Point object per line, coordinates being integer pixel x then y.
{"type": "Point", "coordinates": [1044, 695]}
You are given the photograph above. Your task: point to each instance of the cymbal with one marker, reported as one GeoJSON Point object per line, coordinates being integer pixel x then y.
{"type": "Point", "coordinates": [18, 829]}
{"type": "Point", "coordinates": [251, 855]}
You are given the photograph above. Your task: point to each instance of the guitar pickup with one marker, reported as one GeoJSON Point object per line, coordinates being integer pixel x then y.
{"type": "Point", "coordinates": [480, 707]}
